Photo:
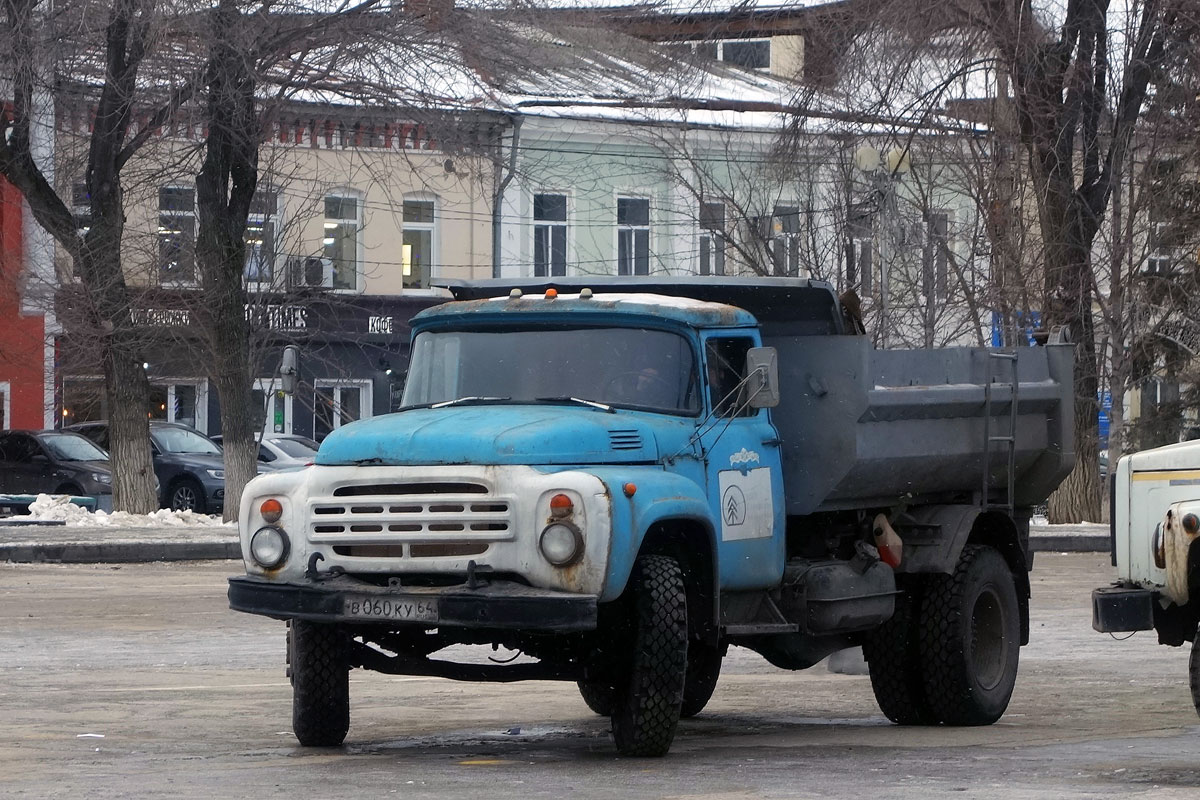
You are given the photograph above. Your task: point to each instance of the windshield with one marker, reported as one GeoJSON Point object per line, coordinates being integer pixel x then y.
{"type": "Point", "coordinates": [630, 367]}
{"type": "Point", "coordinates": [181, 440]}
{"type": "Point", "coordinates": [72, 447]}
{"type": "Point", "coordinates": [296, 448]}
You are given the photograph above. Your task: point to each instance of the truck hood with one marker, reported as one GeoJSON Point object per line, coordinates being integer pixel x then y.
{"type": "Point", "coordinates": [499, 434]}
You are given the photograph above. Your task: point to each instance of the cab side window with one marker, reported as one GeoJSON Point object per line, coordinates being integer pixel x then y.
{"type": "Point", "coordinates": [725, 361]}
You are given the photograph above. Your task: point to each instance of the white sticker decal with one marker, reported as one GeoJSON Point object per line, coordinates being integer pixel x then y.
{"type": "Point", "coordinates": [747, 511]}
{"type": "Point", "coordinates": [743, 456]}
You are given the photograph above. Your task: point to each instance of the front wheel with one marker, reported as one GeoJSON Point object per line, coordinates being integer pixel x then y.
{"type": "Point", "coordinates": [703, 670]}
{"type": "Point", "coordinates": [970, 639]}
{"type": "Point", "coordinates": [647, 699]}
{"type": "Point", "coordinates": [320, 677]}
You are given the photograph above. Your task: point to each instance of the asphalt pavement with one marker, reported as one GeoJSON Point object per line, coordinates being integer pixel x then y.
{"type": "Point", "coordinates": [109, 544]}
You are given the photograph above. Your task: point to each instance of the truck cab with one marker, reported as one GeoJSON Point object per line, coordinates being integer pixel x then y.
{"type": "Point", "coordinates": [621, 479]}
{"type": "Point", "coordinates": [1155, 523]}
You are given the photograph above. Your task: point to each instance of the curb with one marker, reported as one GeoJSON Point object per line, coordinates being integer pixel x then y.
{"type": "Point", "coordinates": [118, 552]}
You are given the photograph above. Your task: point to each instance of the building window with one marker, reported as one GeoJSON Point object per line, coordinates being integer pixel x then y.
{"type": "Point", "coordinates": [785, 241]}
{"type": "Point", "coordinates": [549, 235]}
{"type": "Point", "coordinates": [633, 236]}
{"type": "Point", "coordinates": [860, 246]}
{"type": "Point", "coordinates": [83, 400]}
{"type": "Point", "coordinates": [182, 402]}
{"type": "Point", "coordinates": [712, 239]}
{"type": "Point", "coordinates": [1160, 260]}
{"type": "Point", "coordinates": [753, 54]}
{"type": "Point", "coordinates": [81, 208]}
{"type": "Point", "coordinates": [5, 405]}
{"type": "Point", "coordinates": [177, 234]}
{"type": "Point", "coordinates": [417, 250]}
{"type": "Point", "coordinates": [260, 236]}
{"type": "Point", "coordinates": [343, 219]}
{"type": "Point", "coordinates": [936, 256]}
{"type": "Point", "coordinates": [339, 404]}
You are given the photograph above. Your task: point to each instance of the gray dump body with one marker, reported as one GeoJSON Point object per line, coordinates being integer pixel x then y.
{"type": "Point", "coordinates": [863, 428]}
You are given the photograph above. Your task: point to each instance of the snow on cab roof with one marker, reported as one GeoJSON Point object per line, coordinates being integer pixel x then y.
{"type": "Point", "coordinates": [686, 310]}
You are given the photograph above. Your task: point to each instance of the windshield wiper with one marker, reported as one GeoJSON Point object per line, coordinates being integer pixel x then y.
{"type": "Point", "coordinates": [566, 399]}
{"type": "Point", "coordinates": [462, 401]}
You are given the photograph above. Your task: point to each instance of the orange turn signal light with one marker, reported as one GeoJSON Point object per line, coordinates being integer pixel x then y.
{"type": "Point", "coordinates": [561, 505]}
{"type": "Point", "coordinates": [271, 510]}
{"type": "Point", "coordinates": [630, 489]}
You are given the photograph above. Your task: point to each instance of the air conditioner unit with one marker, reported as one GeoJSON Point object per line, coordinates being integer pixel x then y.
{"type": "Point", "coordinates": [313, 272]}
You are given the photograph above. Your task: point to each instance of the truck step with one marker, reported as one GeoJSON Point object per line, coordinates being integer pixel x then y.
{"type": "Point", "coordinates": [758, 628]}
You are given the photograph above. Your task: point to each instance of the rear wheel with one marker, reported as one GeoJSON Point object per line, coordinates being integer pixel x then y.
{"type": "Point", "coordinates": [647, 698]}
{"type": "Point", "coordinates": [970, 639]}
{"type": "Point", "coordinates": [320, 677]}
{"type": "Point", "coordinates": [598, 695]}
{"type": "Point", "coordinates": [893, 656]}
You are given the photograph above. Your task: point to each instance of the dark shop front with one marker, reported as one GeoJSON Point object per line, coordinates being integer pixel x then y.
{"type": "Point", "coordinates": [353, 360]}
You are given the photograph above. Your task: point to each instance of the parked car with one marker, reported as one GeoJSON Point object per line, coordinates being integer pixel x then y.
{"type": "Point", "coordinates": [190, 467]}
{"type": "Point", "coordinates": [55, 462]}
{"type": "Point", "coordinates": [279, 451]}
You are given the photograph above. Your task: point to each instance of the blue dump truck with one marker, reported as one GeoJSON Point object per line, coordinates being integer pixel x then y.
{"type": "Point", "coordinates": [622, 477]}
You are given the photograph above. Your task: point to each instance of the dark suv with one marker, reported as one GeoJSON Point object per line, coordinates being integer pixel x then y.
{"type": "Point", "coordinates": [55, 462]}
{"type": "Point", "coordinates": [189, 466]}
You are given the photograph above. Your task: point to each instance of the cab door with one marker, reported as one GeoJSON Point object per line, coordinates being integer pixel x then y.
{"type": "Point", "coordinates": [742, 467]}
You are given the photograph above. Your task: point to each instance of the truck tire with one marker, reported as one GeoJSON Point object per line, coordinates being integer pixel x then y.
{"type": "Point", "coordinates": [1194, 672]}
{"type": "Point", "coordinates": [648, 696]}
{"type": "Point", "coordinates": [598, 695]}
{"type": "Point", "coordinates": [971, 639]}
{"type": "Point", "coordinates": [320, 677]}
{"type": "Point", "coordinates": [703, 670]}
{"type": "Point", "coordinates": [893, 655]}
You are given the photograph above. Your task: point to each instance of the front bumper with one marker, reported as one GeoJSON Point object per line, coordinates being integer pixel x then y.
{"type": "Point", "coordinates": [492, 604]}
{"type": "Point", "coordinates": [1121, 609]}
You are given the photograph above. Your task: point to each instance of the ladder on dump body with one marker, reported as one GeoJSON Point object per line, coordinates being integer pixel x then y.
{"type": "Point", "coordinates": [1009, 440]}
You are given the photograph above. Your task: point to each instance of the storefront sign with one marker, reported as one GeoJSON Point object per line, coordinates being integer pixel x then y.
{"type": "Point", "coordinates": [376, 324]}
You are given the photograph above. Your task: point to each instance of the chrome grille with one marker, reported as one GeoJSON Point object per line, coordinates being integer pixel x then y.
{"type": "Point", "coordinates": [411, 520]}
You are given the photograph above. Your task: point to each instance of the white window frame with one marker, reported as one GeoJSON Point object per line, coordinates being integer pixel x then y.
{"type": "Point", "coordinates": [550, 225]}
{"type": "Point", "coordinates": [180, 214]}
{"type": "Point", "coordinates": [6, 389]}
{"type": "Point", "coordinates": [201, 386]}
{"type": "Point", "coordinates": [278, 273]}
{"type": "Point", "coordinates": [788, 244]}
{"type": "Point", "coordinates": [618, 229]}
{"type": "Point", "coordinates": [1160, 259]}
{"type": "Point", "coordinates": [716, 239]}
{"type": "Point", "coordinates": [434, 245]}
{"type": "Point", "coordinates": [721, 51]}
{"type": "Point", "coordinates": [366, 398]}
{"type": "Point", "coordinates": [346, 193]}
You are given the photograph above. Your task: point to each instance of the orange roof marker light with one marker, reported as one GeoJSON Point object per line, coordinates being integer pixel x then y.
{"type": "Point", "coordinates": [551, 294]}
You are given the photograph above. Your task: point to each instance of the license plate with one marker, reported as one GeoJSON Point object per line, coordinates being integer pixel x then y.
{"type": "Point", "coordinates": [389, 609]}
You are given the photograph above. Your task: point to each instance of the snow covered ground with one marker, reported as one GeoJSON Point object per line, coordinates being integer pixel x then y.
{"type": "Point", "coordinates": [58, 507]}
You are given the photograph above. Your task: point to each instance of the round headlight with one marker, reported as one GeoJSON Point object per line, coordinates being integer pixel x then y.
{"type": "Point", "coordinates": [561, 544]}
{"type": "Point", "coordinates": [269, 547]}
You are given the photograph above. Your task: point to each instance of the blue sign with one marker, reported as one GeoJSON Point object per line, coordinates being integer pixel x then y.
{"type": "Point", "coordinates": [1030, 321]}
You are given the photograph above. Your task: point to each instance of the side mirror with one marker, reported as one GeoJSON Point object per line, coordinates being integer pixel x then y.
{"type": "Point", "coordinates": [289, 369]}
{"type": "Point", "coordinates": [762, 377]}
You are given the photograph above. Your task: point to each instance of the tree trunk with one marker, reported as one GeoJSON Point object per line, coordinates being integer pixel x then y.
{"type": "Point", "coordinates": [128, 394]}
{"type": "Point", "coordinates": [225, 187]}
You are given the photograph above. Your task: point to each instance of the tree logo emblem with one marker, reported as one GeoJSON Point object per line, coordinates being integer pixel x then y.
{"type": "Point", "coordinates": [733, 506]}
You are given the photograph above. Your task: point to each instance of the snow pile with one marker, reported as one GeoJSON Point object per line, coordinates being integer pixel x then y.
{"type": "Point", "coordinates": [59, 508]}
